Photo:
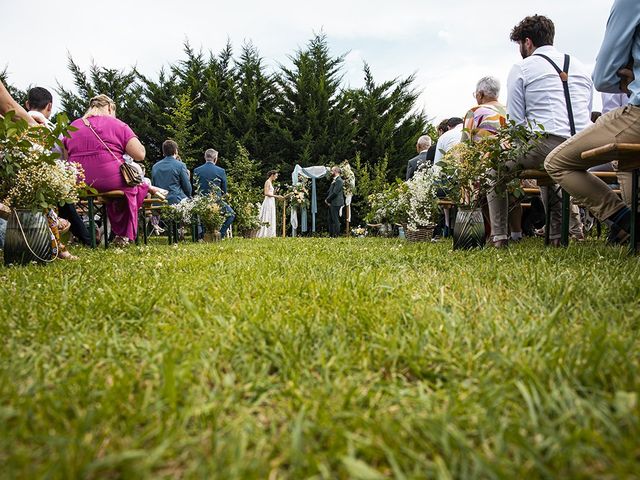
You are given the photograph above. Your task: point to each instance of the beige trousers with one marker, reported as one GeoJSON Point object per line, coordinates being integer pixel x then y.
{"type": "Point", "coordinates": [565, 165]}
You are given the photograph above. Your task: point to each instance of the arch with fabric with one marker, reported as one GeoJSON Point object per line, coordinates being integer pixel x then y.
{"type": "Point", "coordinates": [313, 174]}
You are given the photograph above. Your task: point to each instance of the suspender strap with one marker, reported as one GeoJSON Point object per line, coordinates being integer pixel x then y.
{"type": "Point", "coordinates": [564, 76]}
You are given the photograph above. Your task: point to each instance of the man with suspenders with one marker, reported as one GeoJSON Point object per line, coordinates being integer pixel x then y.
{"type": "Point", "coordinates": [546, 88]}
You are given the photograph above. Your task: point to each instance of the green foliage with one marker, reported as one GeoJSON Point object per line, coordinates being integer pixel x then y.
{"type": "Point", "coordinates": [244, 198]}
{"type": "Point", "coordinates": [180, 128]}
{"type": "Point", "coordinates": [303, 358]}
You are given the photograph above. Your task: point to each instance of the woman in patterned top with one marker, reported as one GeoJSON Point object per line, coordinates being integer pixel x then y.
{"type": "Point", "coordinates": [484, 120]}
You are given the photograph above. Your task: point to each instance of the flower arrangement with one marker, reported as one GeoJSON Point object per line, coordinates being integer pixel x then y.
{"type": "Point", "coordinates": [349, 179]}
{"type": "Point", "coordinates": [40, 186]}
{"type": "Point", "coordinates": [422, 199]}
{"type": "Point", "coordinates": [209, 210]}
{"type": "Point", "coordinates": [471, 168]}
{"type": "Point", "coordinates": [359, 232]}
{"type": "Point", "coordinates": [298, 195]}
{"type": "Point", "coordinates": [32, 175]}
{"type": "Point", "coordinates": [389, 206]}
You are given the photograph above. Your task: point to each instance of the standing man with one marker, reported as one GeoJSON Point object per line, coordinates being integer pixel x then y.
{"type": "Point", "coordinates": [210, 177]}
{"type": "Point", "coordinates": [422, 147]}
{"type": "Point", "coordinates": [536, 96]}
{"type": "Point", "coordinates": [335, 201]}
{"type": "Point", "coordinates": [171, 174]}
{"type": "Point", "coordinates": [617, 70]}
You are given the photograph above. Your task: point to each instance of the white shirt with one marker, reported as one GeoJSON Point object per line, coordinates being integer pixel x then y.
{"type": "Point", "coordinates": [445, 143]}
{"type": "Point", "coordinates": [611, 101]}
{"type": "Point", "coordinates": [536, 93]}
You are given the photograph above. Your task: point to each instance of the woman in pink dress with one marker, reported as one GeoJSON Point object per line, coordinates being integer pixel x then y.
{"type": "Point", "coordinates": [102, 167]}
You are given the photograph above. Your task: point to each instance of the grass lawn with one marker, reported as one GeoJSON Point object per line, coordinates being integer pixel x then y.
{"type": "Point", "coordinates": [298, 358]}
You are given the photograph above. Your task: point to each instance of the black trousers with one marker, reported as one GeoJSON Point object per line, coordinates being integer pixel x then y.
{"type": "Point", "coordinates": [78, 228]}
{"type": "Point", "coordinates": [334, 221]}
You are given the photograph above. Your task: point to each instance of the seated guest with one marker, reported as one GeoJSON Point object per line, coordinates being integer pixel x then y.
{"type": "Point", "coordinates": [210, 174]}
{"type": "Point", "coordinates": [99, 145]}
{"type": "Point", "coordinates": [613, 73]}
{"type": "Point", "coordinates": [446, 142]}
{"type": "Point", "coordinates": [171, 174]}
{"type": "Point", "coordinates": [422, 147]}
{"type": "Point", "coordinates": [40, 105]}
{"type": "Point", "coordinates": [208, 177]}
{"type": "Point", "coordinates": [485, 120]}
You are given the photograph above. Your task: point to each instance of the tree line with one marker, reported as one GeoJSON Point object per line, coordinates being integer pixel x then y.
{"type": "Point", "coordinates": [303, 113]}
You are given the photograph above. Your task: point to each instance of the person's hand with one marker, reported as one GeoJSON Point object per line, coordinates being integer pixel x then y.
{"type": "Point", "coordinates": [626, 77]}
{"type": "Point", "coordinates": [279, 197]}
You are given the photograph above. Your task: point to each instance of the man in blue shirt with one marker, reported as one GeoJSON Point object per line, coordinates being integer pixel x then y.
{"type": "Point", "coordinates": [617, 70]}
{"type": "Point", "coordinates": [209, 176]}
{"type": "Point", "coordinates": [171, 174]}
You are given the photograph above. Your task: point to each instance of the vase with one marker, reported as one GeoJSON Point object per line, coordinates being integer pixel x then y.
{"type": "Point", "coordinates": [468, 231]}
{"type": "Point", "coordinates": [212, 237]}
{"type": "Point", "coordinates": [28, 238]}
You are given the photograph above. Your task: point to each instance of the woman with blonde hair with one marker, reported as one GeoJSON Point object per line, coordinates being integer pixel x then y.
{"type": "Point", "coordinates": [99, 144]}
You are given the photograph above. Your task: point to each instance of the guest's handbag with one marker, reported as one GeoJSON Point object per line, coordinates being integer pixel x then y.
{"type": "Point", "coordinates": [132, 176]}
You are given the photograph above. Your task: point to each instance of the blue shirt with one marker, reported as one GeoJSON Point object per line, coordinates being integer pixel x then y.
{"type": "Point", "coordinates": [621, 46]}
{"type": "Point", "coordinates": [171, 174]}
{"type": "Point", "coordinates": [208, 174]}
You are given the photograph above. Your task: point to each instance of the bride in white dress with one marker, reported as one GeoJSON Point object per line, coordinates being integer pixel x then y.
{"type": "Point", "coordinates": [268, 210]}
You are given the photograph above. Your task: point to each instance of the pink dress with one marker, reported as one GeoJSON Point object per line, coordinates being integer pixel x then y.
{"type": "Point", "coordinates": [102, 171]}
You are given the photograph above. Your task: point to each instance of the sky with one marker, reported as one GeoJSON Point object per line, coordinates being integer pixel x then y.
{"type": "Point", "coordinates": [447, 45]}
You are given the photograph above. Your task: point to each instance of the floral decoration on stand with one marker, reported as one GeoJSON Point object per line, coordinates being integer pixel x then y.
{"type": "Point", "coordinates": [298, 195]}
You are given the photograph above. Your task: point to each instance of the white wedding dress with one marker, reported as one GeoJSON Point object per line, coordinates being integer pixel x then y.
{"type": "Point", "coordinates": [268, 215]}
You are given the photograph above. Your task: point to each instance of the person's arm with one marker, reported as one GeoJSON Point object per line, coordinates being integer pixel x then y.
{"type": "Point", "coordinates": [8, 104]}
{"type": "Point", "coordinates": [615, 51]}
{"type": "Point", "coordinates": [185, 183]}
{"type": "Point", "coordinates": [135, 149]}
{"type": "Point", "coordinates": [223, 180]}
{"type": "Point", "coordinates": [409, 170]}
{"type": "Point", "coordinates": [516, 103]}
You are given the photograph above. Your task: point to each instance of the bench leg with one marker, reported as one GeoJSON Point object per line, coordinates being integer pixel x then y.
{"type": "Point", "coordinates": [105, 224]}
{"type": "Point", "coordinates": [92, 223]}
{"type": "Point", "coordinates": [634, 212]}
{"type": "Point", "coordinates": [144, 225]}
{"type": "Point", "coordinates": [547, 217]}
{"type": "Point", "coordinates": [566, 212]}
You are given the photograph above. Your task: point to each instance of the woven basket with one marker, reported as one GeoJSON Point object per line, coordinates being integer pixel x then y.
{"type": "Point", "coordinates": [422, 234]}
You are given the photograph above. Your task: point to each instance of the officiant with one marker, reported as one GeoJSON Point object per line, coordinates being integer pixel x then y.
{"type": "Point", "coordinates": [335, 201]}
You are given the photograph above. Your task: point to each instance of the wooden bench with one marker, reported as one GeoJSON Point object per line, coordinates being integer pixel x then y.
{"type": "Point", "coordinates": [628, 157]}
{"type": "Point", "coordinates": [99, 201]}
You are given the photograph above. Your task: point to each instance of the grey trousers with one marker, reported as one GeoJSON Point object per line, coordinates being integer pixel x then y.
{"type": "Point", "coordinates": [566, 166]}
{"type": "Point", "coordinates": [499, 201]}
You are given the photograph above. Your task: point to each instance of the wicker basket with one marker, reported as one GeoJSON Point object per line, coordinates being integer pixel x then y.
{"type": "Point", "coordinates": [422, 234]}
